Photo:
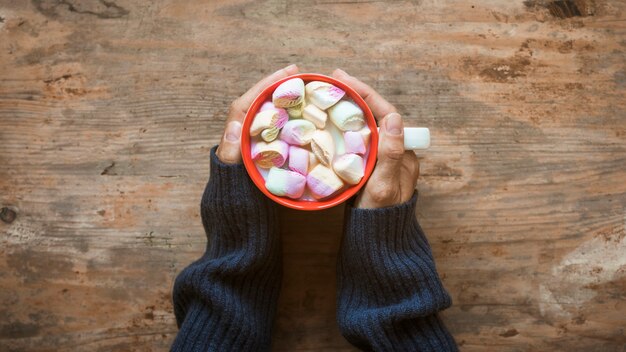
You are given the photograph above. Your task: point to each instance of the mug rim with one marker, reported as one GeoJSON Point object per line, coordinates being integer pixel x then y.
{"type": "Point", "coordinates": [258, 179]}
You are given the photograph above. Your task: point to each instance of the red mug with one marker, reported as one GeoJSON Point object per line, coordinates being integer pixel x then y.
{"type": "Point", "coordinates": [257, 178]}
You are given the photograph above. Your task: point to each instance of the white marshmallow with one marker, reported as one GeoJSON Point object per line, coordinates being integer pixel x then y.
{"type": "Point", "coordinates": [350, 167]}
{"type": "Point", "coordinates": [315, 115]}
{"type": "Point", "coordinates": [323, 146]}
{"type": "Point", "coordinates": [323, 94]}
{"type": "Point", "coordinates": [283, 182]}
{"type": "Point", "coordinates": [347, 116]}
{"type": "Point", "coordinates": [289, 93]}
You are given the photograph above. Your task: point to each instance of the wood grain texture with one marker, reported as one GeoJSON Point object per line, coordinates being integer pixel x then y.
{"type": "Point", "coordinates": [108, 110]}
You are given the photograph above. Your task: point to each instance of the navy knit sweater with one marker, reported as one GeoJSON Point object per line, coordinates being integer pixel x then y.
{"type": "Point", "coordinates": [389, 292]}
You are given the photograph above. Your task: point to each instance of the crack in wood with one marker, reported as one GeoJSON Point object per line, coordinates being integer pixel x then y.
{"type": "Point", "coordinates": [107, 170]}
{"type": "Point", "coordinates": [111, 9]}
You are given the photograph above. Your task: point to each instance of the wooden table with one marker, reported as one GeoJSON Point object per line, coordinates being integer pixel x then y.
{"type": "Point", "coordinates": [108, 110]}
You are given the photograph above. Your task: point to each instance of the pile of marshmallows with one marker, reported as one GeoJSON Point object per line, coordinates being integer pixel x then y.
{"type": "Point", "coordinates": [296, 145]}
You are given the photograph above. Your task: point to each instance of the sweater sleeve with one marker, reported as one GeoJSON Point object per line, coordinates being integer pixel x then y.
{"type": "Point", "coordinates": [226, 300]}
{"type": "Point", "coordinates": [389, 289]}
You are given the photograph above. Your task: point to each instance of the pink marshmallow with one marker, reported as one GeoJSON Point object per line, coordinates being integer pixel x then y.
{"type": "Point", "coordinates": [270, 154]}
{"type": "Point", "coordinates": [266, 106]}
{"type": "Point", "coordinates": [354, 142]}
{"type": "Point", "coordinates": [298, 160]}
{"type": "Point", "coordinates": [297, 132]}
{"type": "Point", "coordinates": [323, 182]}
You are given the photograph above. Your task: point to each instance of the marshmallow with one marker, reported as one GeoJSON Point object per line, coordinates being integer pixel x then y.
{"type": "Point", "coordinates": [297, 132]}
{"type": "Point", "coordinates": [322, 94]}
{"type": "Point", "coordinates": [347, 116]}
{"type": "Point", "coordinates": [267, 119]}
{"type": "Point", "coordinates": [269, 134]}
{"type": "Point", "coordinates": [315, 115]}
{"type": "Point", "coordinates": [298, 160]}
{"type": "Point", "coordinates": [353, 142]}
{"type": "Point", "coordinates": [365, 133]}
{"type": "Point", "coordinates": [296, 111]}
{"type": "Point", "coordinates": [313, 162]}
{"type": "Point", "coordinates": [289, 93]}
{"type": "Point", "coordinates": [266, 106]}
{"type": "Point", "coordinates": [283, 182]}
{"type": "Point", "coordinates": [270, 154]}
{"type": "Point", "coordinates": [323, 182]}
{"type": "Point", "coordinates": [323, 146]}
{"type": "Point", "coordinates": [350, 167]}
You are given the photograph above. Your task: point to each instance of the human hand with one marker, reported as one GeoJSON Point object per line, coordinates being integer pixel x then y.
{"type": "Point", "coordinates": [395, 175]}
{"type": "Point", "coordinates": [229, 149]}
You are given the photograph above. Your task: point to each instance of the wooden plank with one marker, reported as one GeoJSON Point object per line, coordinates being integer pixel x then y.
{"type": "Point", "coordinates": [108, 110]}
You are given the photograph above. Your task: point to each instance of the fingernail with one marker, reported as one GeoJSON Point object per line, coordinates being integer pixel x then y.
{"type": "Point", "coordinates": [233, 131]}
{"type": "Point", "coordinates": [342, 72]}
{"type": "Point", "coordinates": [393, 124]}
{"type": "Point", "coordinates": [292, 66]}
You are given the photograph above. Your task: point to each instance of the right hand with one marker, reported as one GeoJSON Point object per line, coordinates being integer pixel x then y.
{"type": "Point", "coordinates": [395, 176]}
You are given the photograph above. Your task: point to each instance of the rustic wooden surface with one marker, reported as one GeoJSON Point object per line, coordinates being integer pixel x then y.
{"type": "Point", "coordinates": [108, 110]}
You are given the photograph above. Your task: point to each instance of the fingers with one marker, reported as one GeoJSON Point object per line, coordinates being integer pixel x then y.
{"type": "Point", "coordinates": [240, 106]}
{"type": "Point", "coordinates": [229, 149]}
{"type": "Point", "coordinates": [384, 186]}
{"type": "Point", "coordinates": [379, 105]}
{"type": "Point", "coordinates": [391, 147]}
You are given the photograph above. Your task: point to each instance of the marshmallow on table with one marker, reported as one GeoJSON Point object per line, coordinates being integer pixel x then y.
{"type": "Point", "coordinates": [350, 167]}
{"type": "Point", "coordinates": [298, 160]}
{"type": "Point", "coordinates": [347, 116]}
{"type": "Point", "coordinates": [270, 154]}
{"type": "Point", "coordinates": [297, 132]}
{"type": "Point", "coordinates": [323, 146]}
{"type": "Point", "coordinates": [283, 182]}
{"type": "Point", "coordinates": [315, 115]}
{"type": "Point", "coordinates": [323, 182]}
{"type": "Point", "coordinates": [323, 94]}
{"type": "Point", "coordinates": [267, 119]}
{"type": "Point", "coordinates": [289, 93]}
{"type": "Point", "coordinates": [354, 142]}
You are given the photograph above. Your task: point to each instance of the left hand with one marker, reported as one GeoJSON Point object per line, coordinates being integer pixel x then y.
{"type": "Point", "coordinates": [229, 149]}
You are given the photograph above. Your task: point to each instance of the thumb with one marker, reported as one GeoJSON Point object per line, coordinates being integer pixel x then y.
{"type": "Point", "coordinates": [390, 148]}
{"type": "Point", "coordinates": [229, 150]}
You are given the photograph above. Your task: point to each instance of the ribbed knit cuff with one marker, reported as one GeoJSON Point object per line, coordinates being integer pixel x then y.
{"type": "Point", "coordinates": [389, 289]}
{"type": "Point", "coordinates": [392, 240]}
{"type": "Point", "coordinates": [226, 300]}
{"type": "Point", "coordinates": [231, 197]}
